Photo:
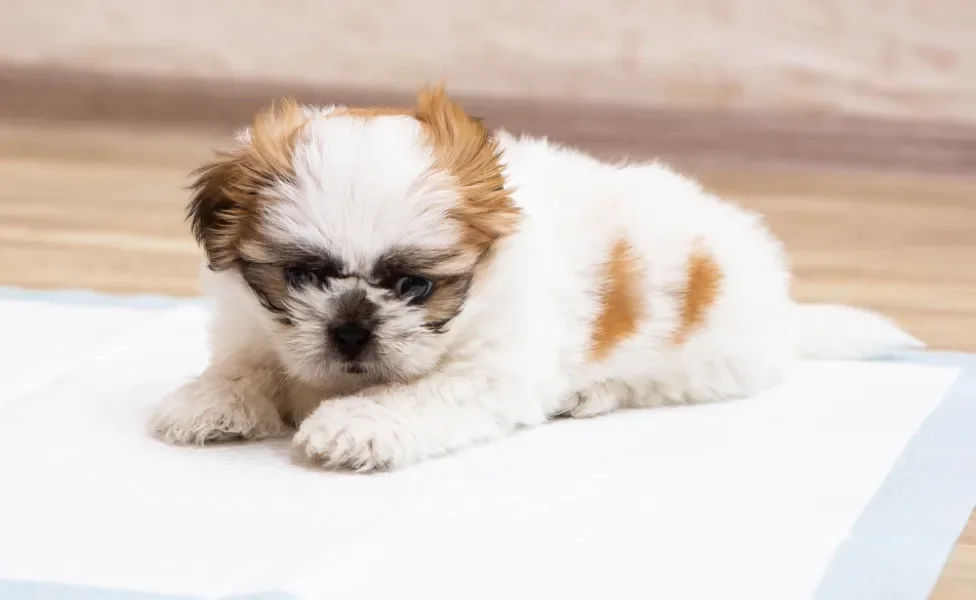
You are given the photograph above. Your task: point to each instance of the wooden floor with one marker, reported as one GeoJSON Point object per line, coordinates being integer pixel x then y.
{"type": "Point", "coordinates": [101, 209]}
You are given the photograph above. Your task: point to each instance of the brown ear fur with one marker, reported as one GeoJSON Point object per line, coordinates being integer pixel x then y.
{"type": "Point", "coordinates": [211, 211]}
{"type": "Point", "coordinates": [226, 192]}
{"type": "Point", "coordinates": [465, 148]}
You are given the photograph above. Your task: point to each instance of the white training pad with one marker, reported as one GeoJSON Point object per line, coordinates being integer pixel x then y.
{"type": "Point", "coordinates": [746, 499]}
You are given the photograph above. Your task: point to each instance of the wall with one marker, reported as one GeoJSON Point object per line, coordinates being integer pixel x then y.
{"type": "Point", "coordinates": [909, 58]}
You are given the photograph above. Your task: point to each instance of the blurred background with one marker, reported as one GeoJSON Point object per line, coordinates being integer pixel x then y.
{"type": "Point", "coordinates": [850, 123]}
{"type": "Point", "coordinates": [912, 59]}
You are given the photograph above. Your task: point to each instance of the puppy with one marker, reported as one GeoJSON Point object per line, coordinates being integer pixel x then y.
{"type": "Point", "coordinates": [402, 284]}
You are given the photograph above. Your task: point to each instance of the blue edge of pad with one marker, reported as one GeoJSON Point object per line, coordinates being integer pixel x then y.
{"type": "Point", "coordinates": [896, 549]}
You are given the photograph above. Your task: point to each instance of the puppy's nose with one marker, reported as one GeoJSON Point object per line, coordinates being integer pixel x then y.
{"type": "Point", "coordinates": [350, 339]}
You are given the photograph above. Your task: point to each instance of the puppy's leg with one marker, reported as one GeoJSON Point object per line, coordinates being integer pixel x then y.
{"type": "Point", "coordinates": [402, 425]}
{"type": "Point", "coordinates": [235, 396]}
{"type": "Point", "coordinates": [226, 402]}
{"type": "Point", "coordinates": [599, 399]}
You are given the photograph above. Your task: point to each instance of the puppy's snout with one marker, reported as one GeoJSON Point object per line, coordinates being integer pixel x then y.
{"type": "Point", "coordinates": [354, 324]}
{"type": "Point", "coordinates": [350, 339]}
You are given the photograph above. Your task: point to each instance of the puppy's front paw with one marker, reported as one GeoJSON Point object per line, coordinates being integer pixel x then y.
{"type": "Point", "coordinates": [358, 434]}
{"type": "Point", "coordinates": [216, 409]}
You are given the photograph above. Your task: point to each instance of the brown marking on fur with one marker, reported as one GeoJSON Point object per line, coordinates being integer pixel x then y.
{"type": "Point", "coordinates": [465, 149]}
{"type": "Point", "coordinates": [621, 304]}
{"type": "Point", "coordinates": [227, 191]}
{"type": "Point", "coordinates": [702, 286]}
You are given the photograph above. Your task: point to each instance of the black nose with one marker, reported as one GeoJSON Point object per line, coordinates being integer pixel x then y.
{"type": "Point", "coordinates": [350, 339]}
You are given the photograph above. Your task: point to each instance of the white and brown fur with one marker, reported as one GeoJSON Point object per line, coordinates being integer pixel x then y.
{"type": "Point", "coordinates": [561, 285]}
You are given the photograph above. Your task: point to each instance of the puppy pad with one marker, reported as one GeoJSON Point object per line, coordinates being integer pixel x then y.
{"type": "Point", "coordinates": [850, 480]}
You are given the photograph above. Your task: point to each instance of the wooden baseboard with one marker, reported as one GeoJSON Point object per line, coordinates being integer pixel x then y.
{"type": "Point", "coordinates": [732, 139]}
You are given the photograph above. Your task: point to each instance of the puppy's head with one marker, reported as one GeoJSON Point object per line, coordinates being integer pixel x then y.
{"type": "Point", "coordinates": [359, 231]}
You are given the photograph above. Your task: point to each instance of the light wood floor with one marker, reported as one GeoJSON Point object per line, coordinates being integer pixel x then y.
{"type": "Point", "coordinates": [101, 209]}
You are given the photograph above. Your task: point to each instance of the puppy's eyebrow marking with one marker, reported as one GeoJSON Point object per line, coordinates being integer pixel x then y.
{"type": "Point", "coordinates": [299, 255]}
{"type": "Point", "coordinates": [423, 261]}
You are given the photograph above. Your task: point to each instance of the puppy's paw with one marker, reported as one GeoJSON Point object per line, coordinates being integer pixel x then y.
{"type": "Point", "coordinates": [358, 434]}
{"type": "Point", "coordinates": [600, 399]}
{"type": "Point", "coordinates": [215, 409]}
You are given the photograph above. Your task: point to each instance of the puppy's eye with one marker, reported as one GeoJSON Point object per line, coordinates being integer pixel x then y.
{"type": "Point", "coordinates": [301, 276]}
{"type": "Point", "coordinates": [416, 289]}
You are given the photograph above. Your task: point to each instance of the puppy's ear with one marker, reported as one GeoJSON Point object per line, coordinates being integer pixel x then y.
{"type": "Point", "coordinates": [466, 149]}
{"type": "Point", "coordinates": [227, 192]}
{"type": "Point", "coordinates": [449, 125]}
{"type": "Point", "coordinates": [214, 211]}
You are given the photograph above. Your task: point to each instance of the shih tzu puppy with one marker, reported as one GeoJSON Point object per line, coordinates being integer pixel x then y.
{"type": "Point", "coordinates": [402, 284]}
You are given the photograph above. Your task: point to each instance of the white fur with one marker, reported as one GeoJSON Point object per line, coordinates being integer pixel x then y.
{"type": "Point", "coordinates": [516, 354]}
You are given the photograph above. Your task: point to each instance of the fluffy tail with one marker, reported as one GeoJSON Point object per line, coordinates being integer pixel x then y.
{"type": "Point", "coordinates": [829, 331]}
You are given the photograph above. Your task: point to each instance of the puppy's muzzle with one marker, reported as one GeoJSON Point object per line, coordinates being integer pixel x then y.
{"type": "Point", "coordinates": [355, 321]}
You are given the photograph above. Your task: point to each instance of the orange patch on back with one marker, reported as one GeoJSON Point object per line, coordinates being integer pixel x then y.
{"type": "Point", "coordinates": [621, 304]}
{"type": "Point", "coordinates": [702, 286]}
